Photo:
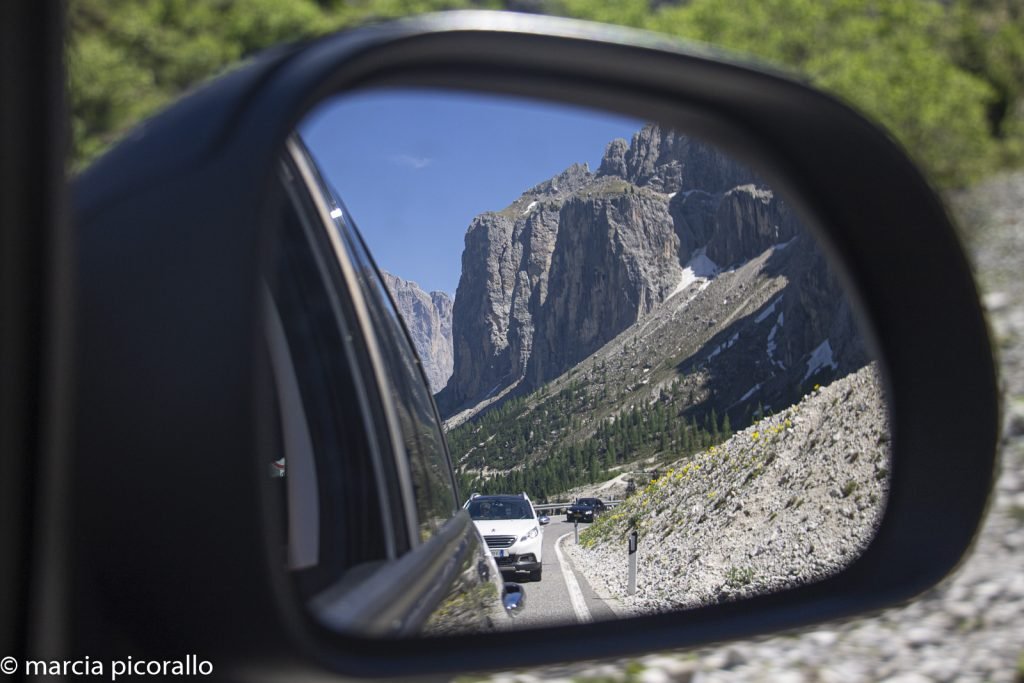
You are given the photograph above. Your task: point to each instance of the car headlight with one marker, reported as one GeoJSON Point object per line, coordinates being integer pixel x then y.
{"type": "Point", "coordinates": [533, 534]}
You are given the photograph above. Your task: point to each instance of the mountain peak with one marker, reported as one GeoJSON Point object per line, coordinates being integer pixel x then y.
{"type": "Point", "coordinates": [428, 317]}
{"type": "Point", "coordinates": [614, 160]}
{"type": "Point", "coordinates": [580, 258]}
{"type": "Point", "coordinates": [566, 182]}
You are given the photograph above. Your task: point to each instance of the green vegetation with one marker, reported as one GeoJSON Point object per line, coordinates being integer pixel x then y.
{"type": "Point", "coordinates": [129, 58]}
{"type": "Point", "coordinates": [737, 577]}
{"type": "Point", "coordinates": [891, 59]}
{"type": "Point", "coordinates": [567, 439]}
{"type": "Point", "coordinates": [946, 77]}
{"type": "Point", "coordinates": [613, 187]}
{"type": "Point", "coordinates": [695, 475]}
{"type": "Point", "coordinates": [1017, 513]}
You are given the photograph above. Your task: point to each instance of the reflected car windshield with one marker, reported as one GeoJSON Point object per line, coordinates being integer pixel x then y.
{"type": "Point", "coordinates": [499, 509]}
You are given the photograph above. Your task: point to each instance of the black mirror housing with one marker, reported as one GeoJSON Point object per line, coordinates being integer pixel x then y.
{"type": "Point", "coordinates": [200, 174]}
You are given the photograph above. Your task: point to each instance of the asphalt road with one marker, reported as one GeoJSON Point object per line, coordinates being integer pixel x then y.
{"type": "Point", "coordinates": [562, 596]}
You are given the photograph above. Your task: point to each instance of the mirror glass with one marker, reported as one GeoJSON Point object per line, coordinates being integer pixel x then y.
{"type": "Point", "coordinates": [625, 324]}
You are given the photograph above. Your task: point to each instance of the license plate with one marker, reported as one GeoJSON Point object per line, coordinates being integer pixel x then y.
{"type": "Point", "coordinates": [498, 553]}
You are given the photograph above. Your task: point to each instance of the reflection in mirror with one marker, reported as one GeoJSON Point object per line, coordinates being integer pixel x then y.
{"type": "Point", "coordinates": [630, 327]}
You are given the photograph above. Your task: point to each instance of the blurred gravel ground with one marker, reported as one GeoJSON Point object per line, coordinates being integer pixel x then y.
{"type": "Point", "coordinates": [971, 627]}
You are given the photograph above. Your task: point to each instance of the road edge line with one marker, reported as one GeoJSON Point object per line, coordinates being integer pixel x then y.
{"type": "Point", "coordinates": [579, 605]}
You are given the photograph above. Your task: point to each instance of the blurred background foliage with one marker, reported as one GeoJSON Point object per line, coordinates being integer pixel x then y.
{"type": "Point", "coordinates": [945, 76]}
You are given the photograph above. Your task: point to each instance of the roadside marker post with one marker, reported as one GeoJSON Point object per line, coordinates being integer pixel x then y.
{"type": "Point", "coordinates": [576, 530]}
{"type": "Point", "coordinates": [631, 586]}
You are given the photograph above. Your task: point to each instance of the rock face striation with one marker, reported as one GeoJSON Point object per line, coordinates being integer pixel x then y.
{"type": "Point", "coordinates": [583, 257]}
{"type": "Point", "coordinates": [505, 266]}
{"type": "Point", "coordinates": [428, 318]}
{"type": "Point", "coordinates": [614, 261]}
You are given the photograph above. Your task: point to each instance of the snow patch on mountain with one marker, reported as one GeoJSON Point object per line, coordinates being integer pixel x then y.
{"type": "Point", "coordinates": [763, 315]}
{"type": "Point", "coordinates": [699, 269]}
{"type": "Point", "coordinates": [821, 357]}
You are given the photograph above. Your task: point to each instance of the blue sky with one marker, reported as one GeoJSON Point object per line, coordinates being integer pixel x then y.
{"type": "Point", "coordinates": [415, 167]}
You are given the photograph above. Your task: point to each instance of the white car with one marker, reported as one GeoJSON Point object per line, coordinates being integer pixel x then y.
{"type": "Point", "coordinates": [513, 531]}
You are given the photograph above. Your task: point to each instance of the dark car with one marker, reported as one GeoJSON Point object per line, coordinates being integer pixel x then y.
{"type": "Point", "coordinates": [585, 510]}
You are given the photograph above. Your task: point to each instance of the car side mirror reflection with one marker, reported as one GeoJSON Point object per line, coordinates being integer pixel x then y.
{"type": "Point", "coordinates": [733, 332]}
{"type": "Point", "coordinates": [619, 322]}
{"type": "Point", "coordinates": [514, 598]}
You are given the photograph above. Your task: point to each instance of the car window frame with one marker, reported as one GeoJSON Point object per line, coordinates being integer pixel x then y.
{"type": "Point", "coordinates": [395, 357]}
{"type": "Point", "coordinates": [364, 602]}
{"type": "Point", "coordinates": [379, 412]}
{"type": "Point", "coordinates": [435, 490]}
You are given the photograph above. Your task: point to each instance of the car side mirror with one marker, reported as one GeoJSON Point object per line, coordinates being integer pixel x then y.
{"type": "Point", "coordinates": [230, 312]}
{"type": "Point", "coordinates": [543, 520]}
{"type": "Point", "coordinates": [514, 598]}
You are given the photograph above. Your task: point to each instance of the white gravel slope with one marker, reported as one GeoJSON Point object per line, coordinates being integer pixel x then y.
{"type": "Point", "coordinates": [789, 500]}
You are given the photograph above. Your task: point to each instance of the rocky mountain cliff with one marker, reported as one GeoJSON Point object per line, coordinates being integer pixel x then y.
{"type": "Point", "coordinates": [505, 267]}
{"type": "Point", "coordinates": [614, 261]}
{"type": "Point", "coordinates": [582, 258]}
{"type": "Point", "coordinates": [429, 320]}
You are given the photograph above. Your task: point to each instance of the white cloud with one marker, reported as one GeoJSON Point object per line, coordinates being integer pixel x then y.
{"type": "Point", "coordinates": [411, 161]}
